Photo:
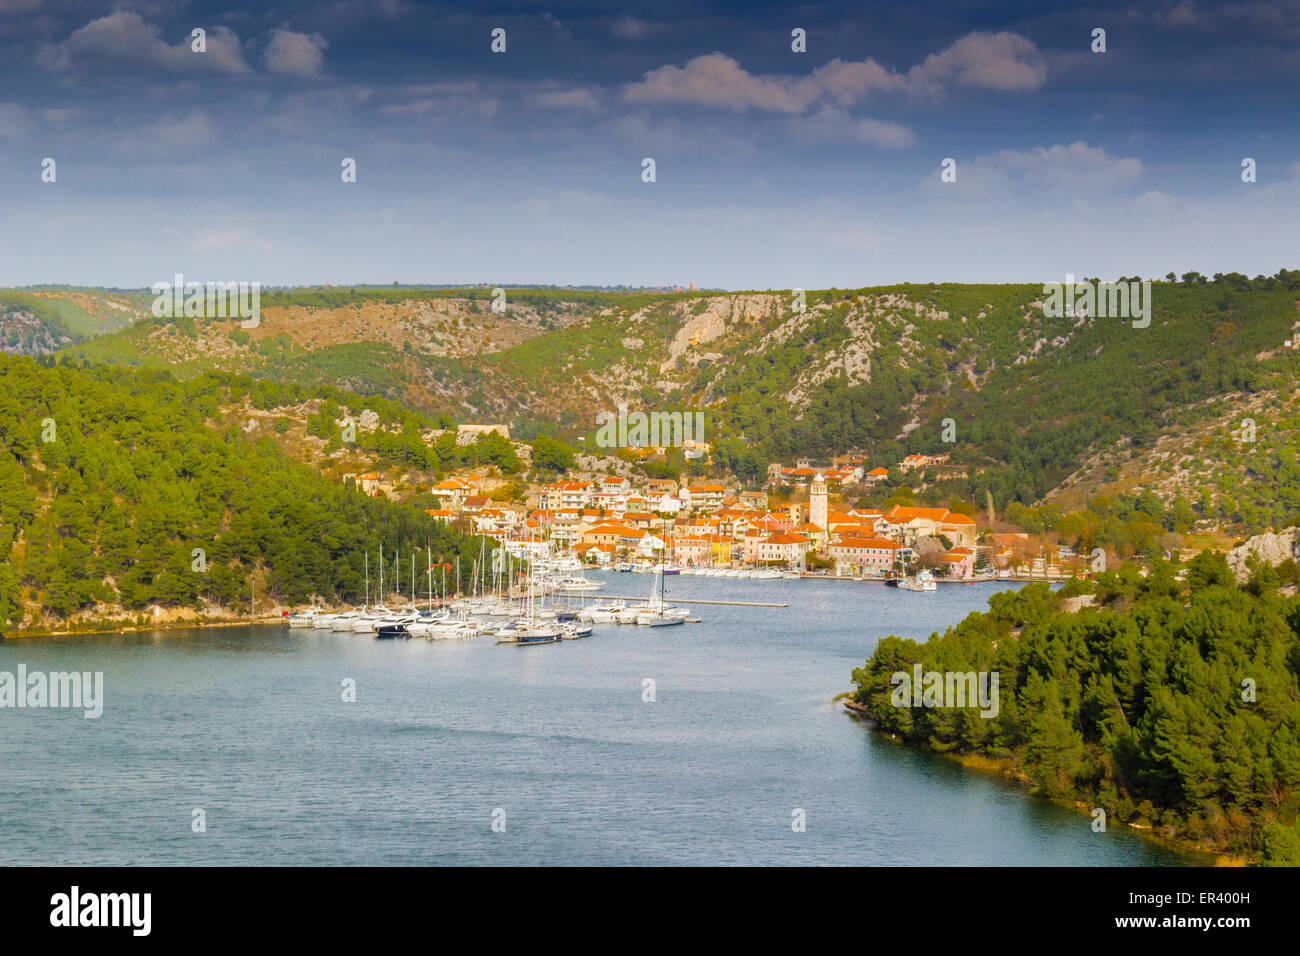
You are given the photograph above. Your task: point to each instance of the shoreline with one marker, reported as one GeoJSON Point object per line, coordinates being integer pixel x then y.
{"type": "Point", "coordinates": [206, 622]}
{"type": "Point", "coordinates": [1002, 768]}
{"type": "Point", "coordinates": [174, 625]}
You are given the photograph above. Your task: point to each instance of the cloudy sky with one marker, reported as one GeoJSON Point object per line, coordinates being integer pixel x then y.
{"type": "Point", "coordinates": [774, 168]}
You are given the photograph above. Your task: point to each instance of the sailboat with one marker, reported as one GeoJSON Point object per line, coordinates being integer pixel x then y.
{"type": "Point", "coordinates": [660, 614]}
{"type": "Point", "coordinates": [531, 628]}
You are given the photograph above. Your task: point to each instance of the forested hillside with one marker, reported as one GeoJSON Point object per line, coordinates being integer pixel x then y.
{"type": "Point", "coordinates": [110, 479]}
{"type": "Point", "coordinates": [30, 325]}
{"type": "Point", "coordinates": [40, 320]}
{"type": "Point", "coordinates": [1173, 705]}
{"type": "Point", "coordinates": [1034, 404]}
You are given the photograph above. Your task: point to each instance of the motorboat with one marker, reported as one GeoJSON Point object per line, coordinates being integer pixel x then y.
{"type": "Point", "coordinates": [368, 621]}
{"type": "Point", "coordinates": [452, 631]}
{"type": "Point", "coordinates": [578, 583]}
{"type": "Point", "coordinates": [601, 613]}
{"type": "Point", "coordinates": [396, 626]}
{"type": "Point", "coordinates": [629, 613]}
{"type": "Point", "coordinates": [304, 618]}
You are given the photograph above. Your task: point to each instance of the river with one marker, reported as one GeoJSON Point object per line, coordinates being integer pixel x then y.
{"type": "Point", "coordinates": [556, 745]}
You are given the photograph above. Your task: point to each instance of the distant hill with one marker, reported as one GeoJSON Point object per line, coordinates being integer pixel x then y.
{"type": "Point", "coordinates": [1039, 406]}
{"type": "Point", "coordinates": [37, 322]}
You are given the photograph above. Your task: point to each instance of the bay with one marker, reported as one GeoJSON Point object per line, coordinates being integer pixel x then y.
{"type": "Point", "coordinates": [556, 743]}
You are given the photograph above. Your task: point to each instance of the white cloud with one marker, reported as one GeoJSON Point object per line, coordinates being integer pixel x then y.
{"type": "Point", "coordinates": [193, 130]}
{"type": "Point", "coordinates": [630, 28]}
{"type": "Point", "coordinates": [830, 125]}
{"type": "Point", "coordinates": [295, 54]}
{"type": "Point", "coordinates": [582, 99]}
{"type": "Point", "coordinates": [847, 81]}
{"type": "Point", "coordinates": [552, 20]}
{"type": "Point", "coordinates": [1077, 168]}
{"type": "Point", "coordinates": [1183, 15]}
{"type": "Point", "coordinates": [462, 98]}
{"type": "Point", "coordinates": [994, 61]}
{"type": "Point", "coordinates": [124, 38]}
{"type": "Point", "coordinates": [715, 79]}
{"type": "Point", "coordinates": [1076, 165]}
{"type": "Point", "coordinates": [990, 61]}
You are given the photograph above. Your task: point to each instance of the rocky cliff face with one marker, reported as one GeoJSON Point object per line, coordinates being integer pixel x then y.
{"type": "Point", "coordinates": [1271, 548]}
{"type": "Point", "coordinates": [22, 333]}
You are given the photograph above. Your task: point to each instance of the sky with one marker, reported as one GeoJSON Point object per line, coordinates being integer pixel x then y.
{"type": "Point", "coordinates": [774, 168]}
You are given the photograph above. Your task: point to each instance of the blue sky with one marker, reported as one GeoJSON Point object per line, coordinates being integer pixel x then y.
{"type": "Point", "coordinates": [774, 168]}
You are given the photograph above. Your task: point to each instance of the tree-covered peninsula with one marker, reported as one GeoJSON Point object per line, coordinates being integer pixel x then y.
{"type": "Point", "coordinates": [1173, 703]}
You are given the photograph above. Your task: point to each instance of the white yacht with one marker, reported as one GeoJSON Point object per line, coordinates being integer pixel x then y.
{"type": "Point", "coordinates": [602, 613]}
{"type": "Point", "coordinates": [629, 612]}
{"type": "Point", "coordinates": [304, 618]}
{"type": "Point", "coordinates": [578, 583]}
{"type": "Point", "coordinates": [368, 620]}
{"type": "Point", "coordinates": [452, 630]}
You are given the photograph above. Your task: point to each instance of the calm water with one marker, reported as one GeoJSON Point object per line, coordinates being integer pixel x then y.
{"type": "Point", "coordinates": [249, 725]}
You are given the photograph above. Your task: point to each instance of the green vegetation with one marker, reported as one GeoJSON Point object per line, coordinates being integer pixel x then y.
{"type": "Point", "coordinates": [133, 478]}
{"type": "Point", "coordinates": [1173, 705]}
{"type": "Point", "coordinates": [31, 325]}
{"type": "Point", "coordinates": [551, 456]}
{"type": "Point", "coordinates": [1032, 399]}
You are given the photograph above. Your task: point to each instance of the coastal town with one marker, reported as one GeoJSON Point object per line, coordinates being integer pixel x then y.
{"type": "Point", "coordinates": [801, 519]}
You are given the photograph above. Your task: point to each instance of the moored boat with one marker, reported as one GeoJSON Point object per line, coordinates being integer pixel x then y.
{"type": "Point", "coordinates": [578, 583]}
{"type": "Point", "coordinates": [601, 613]}
{"type": "Point", "coordinates": [923, 581]}
{"type": "Point", "coordinates": [303, 618]}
